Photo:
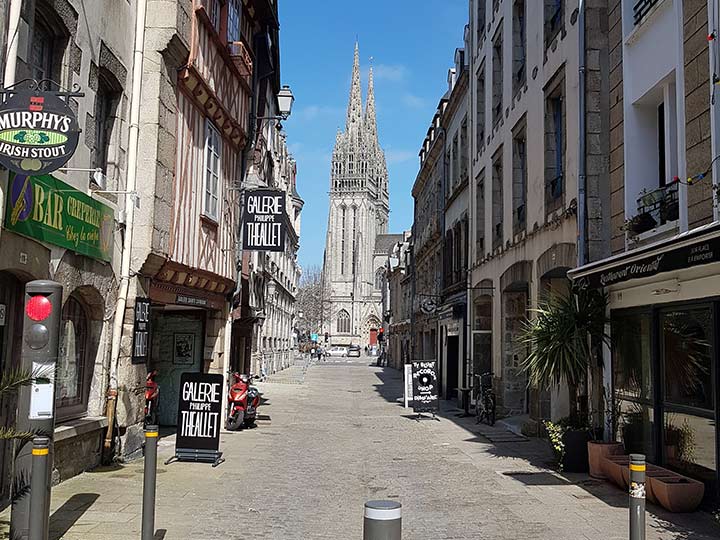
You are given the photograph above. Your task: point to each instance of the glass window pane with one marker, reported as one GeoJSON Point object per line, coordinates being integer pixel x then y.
{"type": "Point", "coordinates": [482, 352]}
{"type": "Point", "coordinates": [70, 377]}
{"type": "Point", "coordinates": [689, 445]}
{"type": "Point", "coordinates": [686, 341]}
{"type": "Point", "coordinates": [631, 335]}
{"type": "Point", "coordinates": [635, 428]}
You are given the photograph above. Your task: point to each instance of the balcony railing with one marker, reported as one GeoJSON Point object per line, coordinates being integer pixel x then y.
{"type": "Point", "coordinates": [642, 8]}
{"type": "Point", "coordinates": [655, 208]}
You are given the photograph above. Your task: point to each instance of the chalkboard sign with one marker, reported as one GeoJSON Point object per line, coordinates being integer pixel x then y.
{"type": "Point", "coordinates": [199, 418]}
{"type": "Point", "coordinates": [141, 331]}
{"type": "Point", "coordinates": [424, 387]}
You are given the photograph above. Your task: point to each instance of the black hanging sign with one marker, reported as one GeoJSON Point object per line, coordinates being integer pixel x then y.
{"type": "Point", "coordinates": [264, 224]}
{"type": "Point", "coordinates": [199, 418]}
{"type": "Point", "coordinates": [425, 387]}
{"type": "Point", "coordinates": [141, 331]}
{"type": "Point", "coordinates": [38, 132]}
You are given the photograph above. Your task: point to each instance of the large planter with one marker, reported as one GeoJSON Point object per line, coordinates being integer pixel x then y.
{"type": "Point", "coordinates": [597, 451]}
{"type": "Point", "coordinates": [614, 467]}
{"type": "Point", "coordinates": [575, 459]}
{"type": "Point", "coordinates": [677, 493]}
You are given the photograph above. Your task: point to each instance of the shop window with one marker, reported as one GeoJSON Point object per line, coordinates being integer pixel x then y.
{"type": "Point", "coordinates": [689, 445]}
{"type": "Point", "coordinates": [74, 369]}
{"type": "Point", "coordinates": [632, 356]}
{"type": "Point", "coordinates": [635, 425]}
{"type": "Point", "coordinates": [343, 322]}
{"type": "Point", "coordinates": [213, 156]}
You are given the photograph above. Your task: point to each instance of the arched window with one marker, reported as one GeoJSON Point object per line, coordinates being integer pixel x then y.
{"type": "Point", "coordinates": [343, 322]}
{"type": "Point", "coordinates": [379, 278]}
{"type": "Point", "coordinates": [73, 372]}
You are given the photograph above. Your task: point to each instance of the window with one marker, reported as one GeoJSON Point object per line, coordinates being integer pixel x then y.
{"type": "Point", "coordinates": [215, 7]}
{"type": "Point", "coordinates": [497, 60]}
{"type": "Point", "coordinates": [73, 374]}
{"type": "Point", "coordinates": [455, 175]}
{"type": "Point", "coordinates": [463, 151]}
{"type": "Point", "coordinates": [480, 112]}
{"type": "Point", "coordinates": [555, 144]}
{"type": "Point", "coordinates": [519, 45]}
{"type": "Point", "coordinates": [661, 144]}
{"type": "Point", "coordinates": [497, 199]}
{"type": "Point", "coordinates": [354, 241]}
{"type": "Point", "coordinates": [343, 322]}
{"type": "Point", "coordinates": [213, 154]}
{"type": "Point", "coordinates": [42, 51]}
{"type": "Point", "coordinates": [480, 216]}
{"type": "Point", "coordinates": [343, 212]}
{"type": "Point", "coordinates": [234, 13]}
{"type": "Point", "coordinates": [379, 278]}
{"type": "Point", "coordinates": [106, 101]}
{"type": "Point", "coordinates": [554, 12]}
{"type": "Point", "coordinates": [519, 185]}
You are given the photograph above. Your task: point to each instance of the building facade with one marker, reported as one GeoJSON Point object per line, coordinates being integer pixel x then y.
{"type": "Point", "coordinates": [398, 303]}
{"type": "Point", "coordinates": [662, 278]}
{"type": "Point", "coordinates": [66, 43]}
{"type": "Point", "coordinates": [359, 210]}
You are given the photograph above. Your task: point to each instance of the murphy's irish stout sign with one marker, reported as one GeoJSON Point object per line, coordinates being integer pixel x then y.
{"type": "Point", "coordinates": [46, 209]}
{"type": "Point", "coordinates": [264, 220]}
{"type": "Point", "coordinates": [38, 132]}
{"type": "Point", "coordinates": [199, 412]}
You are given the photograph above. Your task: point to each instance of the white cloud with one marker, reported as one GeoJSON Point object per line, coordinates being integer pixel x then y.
{"type": "Point", "coordinates": [413, 101]}
{"type": "Point", "coordinates": [390, 72]}
{"type": "Point", "coordinates": [399, 156]}
{"type": "Point", "coordinates": [313, 112]}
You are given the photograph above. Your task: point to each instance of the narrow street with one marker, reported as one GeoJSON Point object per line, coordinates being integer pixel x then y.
{"type": "Point", "coordinates": [335, 436]}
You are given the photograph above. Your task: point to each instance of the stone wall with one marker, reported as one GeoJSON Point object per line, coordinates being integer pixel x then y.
{"type": "Point", "coordinates": [697, 111]}
{"type": "Point", "coordinates": [76, 455]}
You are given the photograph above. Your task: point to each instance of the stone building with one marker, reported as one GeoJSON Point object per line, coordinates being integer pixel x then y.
{"type": "Point", "coordinates": [359, 209]}
{"type": "Point", "coordinates": [67, 43]}
{"type": "Point", "coordinates": [662, 278]}
{"type": "Point", "coordinates": [398, 303]}
{"type": "Point", "coordinates": [525, 80]}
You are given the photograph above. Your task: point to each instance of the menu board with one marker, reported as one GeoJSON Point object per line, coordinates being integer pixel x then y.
{"type": "Point", "coordinates": [425, 387]}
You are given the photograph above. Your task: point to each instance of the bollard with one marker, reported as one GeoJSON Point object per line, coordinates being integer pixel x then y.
{"type": "Point", "coordinates": [149, 483]}
{"type": "Point", "coordinates": [637, 497]}
{"type": "Point", "coordinates": [383, 520]}
{"type": "Point", "coordinates": [39, 489]}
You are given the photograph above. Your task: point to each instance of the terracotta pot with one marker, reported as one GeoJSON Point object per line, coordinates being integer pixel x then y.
{"type": "Point", "coordinates": [597, 451]}
{"type": "Point", "coordinates": [613, 467]}
{"type": "Point", "coordinates": [677, 493]}
{"type": "Point", "coordinates": [655, 472]}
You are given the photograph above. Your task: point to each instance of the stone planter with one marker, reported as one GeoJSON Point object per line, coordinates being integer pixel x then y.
{"type": "Point", "coordinates": [614, 466]}
{"type": "Point", "coordinates": [677, 493]}
{"type": "Point", "coordinates": [597, 451]}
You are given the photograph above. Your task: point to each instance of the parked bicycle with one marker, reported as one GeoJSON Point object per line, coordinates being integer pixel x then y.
{"type": "Point", "coordinates": [484, 399]}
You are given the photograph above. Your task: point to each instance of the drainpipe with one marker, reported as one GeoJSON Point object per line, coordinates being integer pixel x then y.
{"type": "Point", "coordinates": [130, 198]}
{"type": "Point", "coordinates": [582, 246]}
{"type": "Point", "coordinates": [11, 47]}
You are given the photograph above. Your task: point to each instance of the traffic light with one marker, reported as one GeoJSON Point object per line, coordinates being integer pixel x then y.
{"type": "Point", "coordinates": [36, 403]}
{"type": "Point", "coordinates": [381, 334]}
{"type": "Point", "coordinates": [327, 337]}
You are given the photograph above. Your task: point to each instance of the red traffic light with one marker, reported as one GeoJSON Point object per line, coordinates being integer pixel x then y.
{"type": "Point", "coordinates": [38, 308]}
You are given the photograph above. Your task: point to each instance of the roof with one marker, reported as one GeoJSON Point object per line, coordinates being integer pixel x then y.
{"type": "Point", "coordinates": [385, 242]}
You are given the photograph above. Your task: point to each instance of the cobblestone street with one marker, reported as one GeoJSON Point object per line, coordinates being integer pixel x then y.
{"type": "Point", "coordinates": [335, 436]}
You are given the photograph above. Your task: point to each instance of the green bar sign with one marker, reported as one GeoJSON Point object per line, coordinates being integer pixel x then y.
{"type": "Point", "coordinates": [46, 209]}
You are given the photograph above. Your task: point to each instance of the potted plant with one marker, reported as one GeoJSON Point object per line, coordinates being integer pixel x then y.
{"type": "Point", "coordinates": [598, 449]}
{"type": "Point", "coordinates": [561, 337]}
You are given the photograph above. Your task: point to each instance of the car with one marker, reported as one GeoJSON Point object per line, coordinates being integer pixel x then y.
{"type": "Point", "coordinates": [336, 351]}
{"type": "Point", "coordinates": [354, 350]}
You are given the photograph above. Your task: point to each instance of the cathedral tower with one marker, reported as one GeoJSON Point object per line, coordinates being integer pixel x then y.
{"type": "Point", "coordinates": [358, 214]}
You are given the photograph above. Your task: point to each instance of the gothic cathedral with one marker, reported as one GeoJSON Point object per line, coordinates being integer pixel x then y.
{"type": "Point", "coordinates": [359, 208]}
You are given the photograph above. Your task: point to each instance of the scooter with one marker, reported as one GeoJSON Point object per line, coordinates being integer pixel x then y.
{"type": "Point", "coordinates": [243, 401]}
{"type": "Point", "coordinates": [152, 391]}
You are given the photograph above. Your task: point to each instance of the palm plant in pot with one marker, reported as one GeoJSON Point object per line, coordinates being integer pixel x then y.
{"type": "Point", "coordinates": [563, 337]}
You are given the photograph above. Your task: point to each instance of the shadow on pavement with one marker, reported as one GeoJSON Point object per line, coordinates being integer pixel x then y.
{"type": "Point", "coordinates": [65, 517]}
{"type": "Point", "coordinates": [390, 387]}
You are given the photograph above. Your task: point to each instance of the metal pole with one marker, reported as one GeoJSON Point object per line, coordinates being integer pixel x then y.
{"type": "Point", "coordinates": [637, 497]}
{"type": "Point", "coordinates": [39, 489]}
{"type": "Point", "coordinates": [149, 483]}
{"type": "Point", "coordinates": [383, 520]}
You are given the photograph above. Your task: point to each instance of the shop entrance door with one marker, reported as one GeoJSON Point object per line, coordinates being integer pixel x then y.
{"type": "Point", "coordinates": [453, 350]}
{"type": "Point", "coordinates": [177, 347]}
{"type": "Point", "coordinates": [373, 337]}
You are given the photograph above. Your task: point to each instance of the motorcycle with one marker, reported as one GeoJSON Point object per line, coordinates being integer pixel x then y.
{"type": "Point", "coordinates": [243, 401]}
{"type": "Point", "coordinates": [152, 391]}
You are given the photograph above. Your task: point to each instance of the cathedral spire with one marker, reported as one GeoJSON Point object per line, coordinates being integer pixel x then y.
{"type": "Point", "coordinates": [370, 119]}
{"type": "Point", "coordinates": [354, 112]}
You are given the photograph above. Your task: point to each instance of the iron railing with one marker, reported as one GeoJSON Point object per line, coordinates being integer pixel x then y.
{"type": "Point", "coordinates": [642, 8]}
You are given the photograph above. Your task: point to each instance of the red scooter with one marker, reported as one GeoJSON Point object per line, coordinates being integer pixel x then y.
{"type": "Point", "coordinates": [243, 401]}
{"type": "Point", "coordinates": [152, 391]}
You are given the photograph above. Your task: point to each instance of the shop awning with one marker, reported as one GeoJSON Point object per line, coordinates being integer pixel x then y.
{"type": "Point", "coordinates": [692, 248]}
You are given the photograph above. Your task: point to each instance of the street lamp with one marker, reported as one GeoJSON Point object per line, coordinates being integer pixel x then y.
{"type": "Point", "coordinates": [285, 99]}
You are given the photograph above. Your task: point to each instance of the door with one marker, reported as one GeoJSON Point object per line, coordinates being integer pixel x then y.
{"type": "Point", "coordinates": [373, 336]}
{"type": "Point", "coordinates": [453, 349]}
{"type": "Point", "coordinates": [177, 347]}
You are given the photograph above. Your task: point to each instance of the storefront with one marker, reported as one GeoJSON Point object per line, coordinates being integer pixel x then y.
{"type": "Point", "coordinates": [453, 368]}
{"type": "Point", "coordinates": [663, 365]}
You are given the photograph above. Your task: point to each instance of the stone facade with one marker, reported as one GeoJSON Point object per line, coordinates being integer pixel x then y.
{"type": "Point", "coordinates": [358, 214]}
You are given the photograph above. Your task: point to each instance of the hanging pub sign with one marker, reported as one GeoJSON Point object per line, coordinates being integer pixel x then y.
{"type": "Point", "coordinates": [38, 132]}
{"type": "Point", "coordinates": [141, 331]}
{"type": "Point", "coordinates": [49, 210]}
{"type": "Point", "coordinates": [199, 418]}
{"type": "Point", "coordinates": [264, 224]}
{"type": "Point", "coordinates": [424, 387]}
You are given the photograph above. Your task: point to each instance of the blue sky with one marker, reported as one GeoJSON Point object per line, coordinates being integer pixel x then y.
{"type": "Point", "coordinates": [412, 44]}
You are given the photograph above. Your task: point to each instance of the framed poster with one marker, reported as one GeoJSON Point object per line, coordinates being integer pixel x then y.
{"type": "Point", "coordinates": [183, 349]}
{"type": "Point", "coordinates": [141, 331]}
{"type": "Point", "coordinates": [425, 387]}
